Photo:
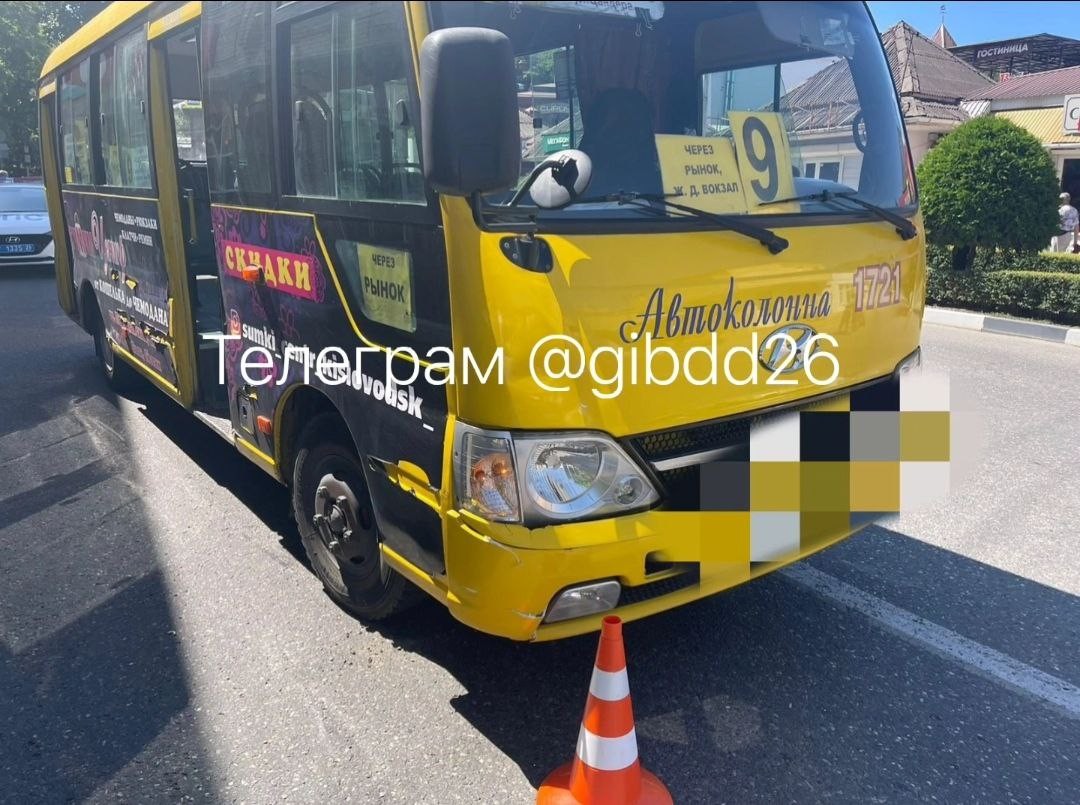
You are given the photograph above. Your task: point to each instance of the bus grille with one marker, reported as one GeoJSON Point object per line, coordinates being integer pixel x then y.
{"type": "Point", "coordinates": [668, 444]}
{"type": "Point", "coordinates": [682, 488]}
{"type": "Point", "coordinates": [681, 481]}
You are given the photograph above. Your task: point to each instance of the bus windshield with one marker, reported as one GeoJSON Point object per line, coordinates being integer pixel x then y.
{"type": "Point", "coordinates": [733, 108]}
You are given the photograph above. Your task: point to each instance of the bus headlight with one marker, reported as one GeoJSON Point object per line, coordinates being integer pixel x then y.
{"type": "Point", "coordinates": [569, 477]}
{"type": "Point", "coordinates": [546, 477]}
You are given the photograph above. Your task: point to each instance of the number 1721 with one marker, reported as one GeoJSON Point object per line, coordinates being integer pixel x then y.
{"type": "Point", "coordinates": [877, 286]}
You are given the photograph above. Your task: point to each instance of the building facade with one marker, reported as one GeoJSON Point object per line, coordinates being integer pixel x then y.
{"type": "Point", "coordinates": [930, 81]}
{"type": "Point", "coordinates": [1047, 104]}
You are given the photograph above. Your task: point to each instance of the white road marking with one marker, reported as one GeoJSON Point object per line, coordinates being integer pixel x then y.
{"type": "Point", "coordinates": [975, 656]}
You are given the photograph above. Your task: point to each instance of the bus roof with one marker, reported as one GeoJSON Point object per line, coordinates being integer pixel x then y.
{"type": "Point", "coordinates": [105, 22]}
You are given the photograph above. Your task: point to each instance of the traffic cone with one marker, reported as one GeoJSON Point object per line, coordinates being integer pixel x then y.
{"type": "Point", "coordinates": [605, 770]}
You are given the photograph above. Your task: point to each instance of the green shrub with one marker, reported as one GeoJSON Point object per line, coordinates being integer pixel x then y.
{"type": "Point", "coordinates": [1046, 262]}
{"type": "Point", "coordinates": [939, 258]}
{"type": "Point", "coordinates": [1036, 294]}
{"type": "Point", "coordinates": [989, 183]}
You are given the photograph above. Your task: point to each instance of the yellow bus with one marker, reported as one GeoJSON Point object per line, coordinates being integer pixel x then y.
{"type": "Point", "coordinates": [520, 300]}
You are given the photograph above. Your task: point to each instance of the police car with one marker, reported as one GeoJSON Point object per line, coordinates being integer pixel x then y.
{"type": "Point", "coordinates": [25, 235]}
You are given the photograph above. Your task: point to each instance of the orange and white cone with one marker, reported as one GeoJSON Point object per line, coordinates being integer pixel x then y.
{"type": "Point", "coordinates": [606, 769]}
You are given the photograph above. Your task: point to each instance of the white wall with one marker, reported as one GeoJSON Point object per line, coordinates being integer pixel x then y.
{"type": "Point", "coordinates": [920, 143]}
{"type": "Point", "coordinates": [850, 169]}
{"type": "Point", "coordinates": [838, 146]}
{"type": "Point", "coordinates": [820, 150]}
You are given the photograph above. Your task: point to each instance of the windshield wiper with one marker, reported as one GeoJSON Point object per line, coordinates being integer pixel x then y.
{"type": "Point", "coordinates": [904, 227]}
{"type": "Point", "coordinates": [766, 237]}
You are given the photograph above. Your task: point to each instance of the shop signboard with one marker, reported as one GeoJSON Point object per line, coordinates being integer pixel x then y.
{"type": "Point", "coordinates": [555, 142]}
{"type": "Point", "coordinates": [1070, 122]}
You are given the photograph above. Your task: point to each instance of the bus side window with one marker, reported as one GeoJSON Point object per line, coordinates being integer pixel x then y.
{"type": "Point", "coordinates": [185, 101]}
{"type": "Point", "coordinates": [185, 97]}
{"type": "Point", "coordinates": [235, 48]}
{"type": "Point", "coordinates": [125, 127]}
{"type": "Point", "coordinates": [75, 124]}
{"type": "Point", "coordinates": [313, 107]}
{"type": "Point", "coordinates": [353, 106]}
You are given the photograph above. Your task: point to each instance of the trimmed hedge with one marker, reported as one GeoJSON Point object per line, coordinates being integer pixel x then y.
{"type": "Point", "coordinates": [1036, 294]}
{"type": "Point", "coordinates": [1043, 262]}
{"type": "Point", "coordinates": [1039, 285]}
{"type": "Point", "coordinates": [940, 259]}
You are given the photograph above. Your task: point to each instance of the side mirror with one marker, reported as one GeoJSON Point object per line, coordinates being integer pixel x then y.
{"type": "Point", "coordinates": [559, 179]}
{"type": "Point", "coordinates": [471, 139]}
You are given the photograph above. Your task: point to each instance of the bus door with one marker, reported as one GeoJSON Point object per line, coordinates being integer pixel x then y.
{"type": "Point", "coordinates": [110, 208]}
{"type": "Point", "coordinates": [346, 252]}
{"type": "Point", "coordinates": [349, 113]}
{"type": "Point", "coordinates": [180, 52]}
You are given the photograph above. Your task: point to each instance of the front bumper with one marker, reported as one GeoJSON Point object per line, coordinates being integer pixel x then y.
{"type": "Point", "coordinates": [727, 518]}
{"type": "Point", "coordinates": [28, 262]}
{"type": "Point", "coordinates": [661, 559]}
{"type": "Point", "coordinates": [42, 259]}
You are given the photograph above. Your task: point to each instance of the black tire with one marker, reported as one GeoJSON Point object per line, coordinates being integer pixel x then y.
{"type": "Point", "coordinates": [343, 547]}
{"type": "Point", "coordinates": [118, 375]}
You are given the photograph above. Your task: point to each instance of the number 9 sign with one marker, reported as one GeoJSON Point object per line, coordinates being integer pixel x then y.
{"type": "Point", "coordinates": [764, 158]}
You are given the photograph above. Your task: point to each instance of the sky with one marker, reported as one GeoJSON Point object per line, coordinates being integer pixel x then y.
{"type": "Point", "coordinates": [974, 22]}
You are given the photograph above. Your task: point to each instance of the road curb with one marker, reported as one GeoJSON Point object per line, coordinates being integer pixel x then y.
{"type": "Point", "coordinates": [967, 320]}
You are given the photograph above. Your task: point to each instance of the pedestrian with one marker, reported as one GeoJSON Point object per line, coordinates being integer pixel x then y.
{"type": "Point", "coordinates": [1069, 226]}
{"type": "Point", "coordinates": [5, 178]}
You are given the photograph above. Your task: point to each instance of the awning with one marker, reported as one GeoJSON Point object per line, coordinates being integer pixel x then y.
{"type": "Point", "coordinates": [1045, 124]}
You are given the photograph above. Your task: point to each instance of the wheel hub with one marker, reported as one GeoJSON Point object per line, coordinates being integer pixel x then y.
{"type": "Point", "coordinates": [336, 520]}
{"type": "Point", "coordinates": [342, 524]}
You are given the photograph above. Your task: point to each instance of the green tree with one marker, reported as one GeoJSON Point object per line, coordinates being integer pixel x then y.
{"type": "Point", "coordinates": [988, 183]}
{"type": "Point", "coordinates": [542, 67]}
{"type": "Point", "coordinates": [28, 33]}
{"type": "Point", "coordinates": [538, 68]}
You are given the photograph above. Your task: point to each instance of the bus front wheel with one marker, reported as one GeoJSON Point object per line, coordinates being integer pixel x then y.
{"type": "Point", "coordinates": [337, 525]}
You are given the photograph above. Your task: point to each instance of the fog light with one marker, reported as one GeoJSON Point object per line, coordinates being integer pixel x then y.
{"type": "Point", "coordinates": [587, 599]}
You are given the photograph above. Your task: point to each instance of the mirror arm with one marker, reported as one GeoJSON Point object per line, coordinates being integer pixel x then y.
{"type": "Point", "coordinates": [536, 173]}
{"type": "Point", "coordinates": [480, 210]}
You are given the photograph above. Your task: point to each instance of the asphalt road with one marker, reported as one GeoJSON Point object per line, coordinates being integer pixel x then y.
{"type": "Point", "coordinates": [161, 639]}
